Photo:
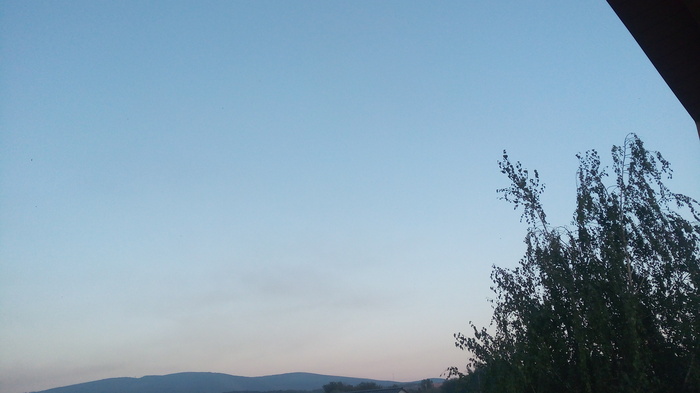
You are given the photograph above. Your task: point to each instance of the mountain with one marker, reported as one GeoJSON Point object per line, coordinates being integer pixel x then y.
{"type": "Point", "coordinates": [210, 383]}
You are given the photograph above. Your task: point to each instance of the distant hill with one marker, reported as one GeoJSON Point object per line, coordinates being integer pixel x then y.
{"type": "Point", "coordinates": [211, 383]}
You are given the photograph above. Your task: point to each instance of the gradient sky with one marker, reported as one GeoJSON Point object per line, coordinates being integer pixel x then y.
{"type": "Point", "coordinates": [265, 187]}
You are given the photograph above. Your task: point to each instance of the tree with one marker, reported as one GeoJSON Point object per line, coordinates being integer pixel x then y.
{"type": "Point", "coordinates": [454, 385]}
{"type": "Point", "coordinates": [609, 304]}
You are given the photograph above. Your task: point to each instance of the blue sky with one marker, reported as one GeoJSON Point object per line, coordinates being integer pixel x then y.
{"type": "Point", "coordinates": [265, 187]}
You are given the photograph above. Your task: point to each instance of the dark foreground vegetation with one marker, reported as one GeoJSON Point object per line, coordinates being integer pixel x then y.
{"type": "Point", "coordinates": [608, 304]}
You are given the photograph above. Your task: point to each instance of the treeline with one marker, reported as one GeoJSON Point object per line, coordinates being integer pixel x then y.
{"type": "Point", "coordinates": [278, 391]}
{"type": "Point", "coordinates": [425, 386]}
{"type": "Point", "coordinates": [339, 387]}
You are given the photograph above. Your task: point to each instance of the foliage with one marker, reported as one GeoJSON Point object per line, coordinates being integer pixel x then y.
{"type": "Point", "coordinates": [454, 385]}
{"type": "Point", "coordinates": [464, 384]}
{"type": "Point", "coordinates": [610, 304]}
{"type": "Point", "coordinates": [338, 387]}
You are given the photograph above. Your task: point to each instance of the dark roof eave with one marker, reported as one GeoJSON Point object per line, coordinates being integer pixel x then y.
{"type": "Point", "coordinates": [668, 31]}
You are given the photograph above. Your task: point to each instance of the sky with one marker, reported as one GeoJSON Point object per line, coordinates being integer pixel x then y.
{"type": "Point", "coordinates": [262, 187]}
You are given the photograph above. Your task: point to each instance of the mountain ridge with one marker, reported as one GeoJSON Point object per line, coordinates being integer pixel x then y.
{"type": "Point", "coordinates": [211, 382]}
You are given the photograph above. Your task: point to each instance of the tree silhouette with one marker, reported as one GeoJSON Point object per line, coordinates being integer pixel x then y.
{"type": "Point", "coordinates": [610, 304]}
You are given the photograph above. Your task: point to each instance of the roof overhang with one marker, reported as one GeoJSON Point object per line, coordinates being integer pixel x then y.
{"type": "Point", "coordinates": [668, 31]}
